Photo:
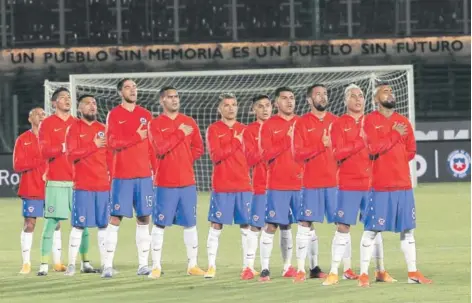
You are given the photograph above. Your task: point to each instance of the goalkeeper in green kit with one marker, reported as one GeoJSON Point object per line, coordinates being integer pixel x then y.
{"type": "Point", "coordinates": [58, 201]}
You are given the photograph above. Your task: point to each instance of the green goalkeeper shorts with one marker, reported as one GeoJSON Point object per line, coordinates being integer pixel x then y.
{"type": "Point", "coordinates": [58, 202]}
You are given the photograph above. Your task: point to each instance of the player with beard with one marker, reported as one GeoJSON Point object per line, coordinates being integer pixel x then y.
{"type": "Point", "coordinates": [131, 186]}
{"type": "Point", "coordinates": [391, 144]}
{"type": "Point", "coordinates": [312, 147]}
{"type": "Point", "coordinates": [177, 143]}
{"type": "Point", "coordinates": [86, 150]}
{"type": "Point", "coordinates": [59, 185]}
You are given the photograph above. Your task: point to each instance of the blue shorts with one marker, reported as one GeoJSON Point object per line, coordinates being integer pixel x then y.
{"type": "Point", "coordinates": [129, 193]}
{"type": "Point", "coordinates": [318, 203]}
{"type": "Point", "coordinates": [391, 211]}
{"type": "Point", "coordinates": [349, 204]}
{"type": "Point", "coordinates": [281, 206]}
{"type": "Point", "coordinates": [33, 208]}
{"type": "Point", "coordinates": [228, 207]}
{"type": "Point", "coordinates": [258, 209]}
{"type": "Point", "coordinates": [175, 205]}
{"type": "Point", "coordinates": [90, 208]}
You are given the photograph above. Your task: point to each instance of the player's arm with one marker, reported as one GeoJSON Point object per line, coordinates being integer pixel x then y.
{"type": "Point", "coordinates": [48, 150]}
{"type": "Point", "coordinates": [22, 162]}
{"type": "Point", "coordinates": [375, 144]}
{"type": "Point", "coordinates": [196, 144]}
{"type": "Point", "coordinates": [115, 138]}
{"type": "Point", "coordinates": [302, 149]}
{"type": "Point", "coordinates": [270, 149]}
{"type": "Point", "coordinates": [251, 149]}
{"type": "Point", "coordinates": [110, 162]}
{"type": "Point", "coordinates": [73, 151]}
{"type": "Point", "coordinates": [341, 149]}
{"type": "Point", "coordinates": [163, 145]}
{"type": "Point", "coordinates": [410, 142]}
{"type": "Point", "coordinates": [217, 152]}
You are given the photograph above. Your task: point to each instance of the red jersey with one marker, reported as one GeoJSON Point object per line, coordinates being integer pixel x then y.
{"type": "Point", "coordinates": [230, 169]}
{"type": "Point", "coordinates": [308, 148]}
{"type": "Point", "coordinates": [90, 163]}
{"type": "Point", "coordinates": [176, 152]}
{"type": "Point", "coordinates": [254, 157]}
{"type": "Point", "coordinates": [28, 162]}
{"type": "Point", "coordinates": [354, 166]}
{"type": "Point", "coordinates": [52, 138]}
{"type": "Point", "coordinates": [131, 154]}
{"type": "Point", "coordinates": [391, 151]}
{"type": "Point", "coordinates": [283, 172]}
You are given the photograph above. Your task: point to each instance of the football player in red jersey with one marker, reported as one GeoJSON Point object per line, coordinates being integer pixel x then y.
{"type": "Point", "coordinates": [28, 162]}
{"type": "Point", "coordinates": [131, 187]}
{"type": "Point", "coordinates": [177, 143]}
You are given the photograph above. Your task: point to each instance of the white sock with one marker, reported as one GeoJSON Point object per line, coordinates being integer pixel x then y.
{"type": "Point", "coordinates": [302, 242]}
{"type": "Point", "coordinates": [57, 247]}
{"type": "Point", "coordinates": [252, 239]}
{"type": "Point", "coordinates": [143, 243]}
{"type": "Point", "coordinates": [244, 232]}
{"type": "Point", "coordinates": [191, 242]}
{"type": "Point", "coordinates": [26, 242]}
{"type": "Point", "coordinates": [286, 247]}
{"type": "Point", "coordinates": [111, 240]}
{"type": "Point", "coordinates": [101, 235]}
{"type": "Point", "coordinates": [408, 245]}
{"type": "Point", "coordinates": [313, 249]}
{"type": "Point", "coordinates": [347, 254]}
{"type": "Point", "coordinates": [212, 246]}
{"type": "Point", "coordinates": [367, 247]}
{"type": "Point", "coordinates": [157, 240]}
{"type": "Point", "coordinates": [338, 249]}
{"type": "Point", "coordinates": [74, 244]}
{"type": "Point", "coordinates": [378, 253]}
{"type": "Point", "coordinates": [267, 243]}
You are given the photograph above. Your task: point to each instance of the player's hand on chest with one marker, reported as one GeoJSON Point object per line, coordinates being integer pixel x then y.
{"type": "Point", "coordinates": [130, 124]}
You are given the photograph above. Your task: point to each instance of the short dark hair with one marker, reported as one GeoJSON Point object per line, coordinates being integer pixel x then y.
{"type": "Point", "coordinates": [120, 84]}
{"type": "Point", "coordinates": [259, 97]}
{"type": "Point", "coordinates": [309, 90]}
{"type": "Point", "coordinates": [282, 89]}
{"type": "Point", "coordinates": [381, 83]}
{"type": "Point", "coordinates": [56, 93]}
{"type": "Point", "coordinates": [82, 97]}
{"type": "Point", "coordinates": [165, 89]}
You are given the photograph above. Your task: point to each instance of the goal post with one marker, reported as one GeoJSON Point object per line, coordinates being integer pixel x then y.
{"type": "Point", "coordinates": [199, 92]}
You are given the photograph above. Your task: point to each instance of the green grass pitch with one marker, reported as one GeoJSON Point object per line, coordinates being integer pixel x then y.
{"type": "Point", "coordinates": [442, 237]}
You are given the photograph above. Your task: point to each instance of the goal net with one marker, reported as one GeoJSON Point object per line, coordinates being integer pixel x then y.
{"type": "Point", "coordinates": [199, 92]}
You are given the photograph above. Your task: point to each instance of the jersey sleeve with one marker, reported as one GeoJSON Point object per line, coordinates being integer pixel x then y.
{"type": "Point", "coordinates": [197, 142]}
{"type": "Point", "coordinates": [160, 144]}
{"type": "Point", "coordinates": [48, 150]}
{"type": "Point", "coordinates": [74, 152]}
{"type": "Point", "coordinates": [376, 144]}
{"type": "Point", "coordinates": [115, 138]}
{"type": "Point", "coordinates": [251, 148]}
{"type": "Point", "coordinates": [270, 149]}
{"type": "Point", "coordinates": [22, 161]}
{"type": "Point", "coordinates": [110, 162]}
{"type": "Point", "coordinates": [217, 152]}
{"type": "Point", "coordinates": [410, 142]}
{"type": "Point", "coordinates": [301, 148]}
{"type": "Point", "coordinates": [341, 149]}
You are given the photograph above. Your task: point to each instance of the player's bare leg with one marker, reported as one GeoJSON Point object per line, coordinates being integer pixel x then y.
{"type": "Point", "coordinates": [252, 242]}
{"type": "Point", "coordinates": [143, 243]}
{"type": "Point", "coordinates": [338, 249]}
{"type": "Point", "coordinates": [111, 240]}
{"type": "Point", "coordinates": [212, 248]}
{"type": "Point", "coordinates": [381, 275]}
{"type": "Point", "coordinates": [408, 246]}
{"type": "Point", "coordinates": [286, 248]}
{"type": "Point", "coordinates": [302, 242]}
{"type": "Point", "coordinates": [266, 244]}
{"type": "Point", "coordinates": [26, 242]}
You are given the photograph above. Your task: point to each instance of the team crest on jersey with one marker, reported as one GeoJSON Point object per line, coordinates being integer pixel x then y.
{"type": "Point", "coordinates": [117, 206]}
{"type": "Point", "coordinates": [51, 209]}
{"type": "Point", "coordinates": [459, 163]}
{"type": "Point", "coordinates": [101, 134]}
{"type": "Point", "coordinates": [143, 120]}
{"type": "Point", "coordinates": [272, 213]}
{"type": "Point", "coordinates": [218, 214]}
{"type": "Point", "coordinates": [307, 212]}
{"type": "Point", "coordinates": [82, 219]}
{"type": "Point", "coordinates": [31, 209]}
{"type": "Point", "coordinates": [255, 218]}
{"type": "Point", "coordinates": [161, 217]}
{"type": "Point", "coordinates": [381, 221]}
{"type": "Point", "coordinates": [340, 214]}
